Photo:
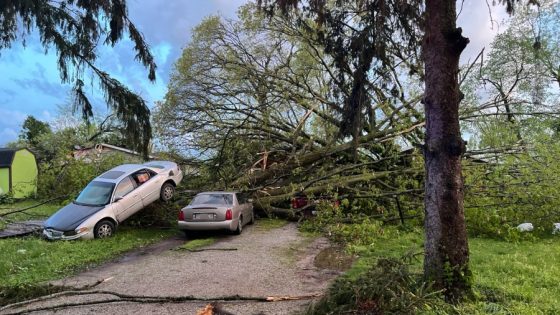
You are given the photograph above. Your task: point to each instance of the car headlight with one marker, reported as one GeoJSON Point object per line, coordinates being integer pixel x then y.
{"type": "Point", "coordinates": [82, 230]}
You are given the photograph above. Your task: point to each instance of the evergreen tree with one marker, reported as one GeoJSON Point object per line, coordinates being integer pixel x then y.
{"type": "Point", "coordinates": [74, 29]}
{"type": "Point", "coordinates": [371, 33]}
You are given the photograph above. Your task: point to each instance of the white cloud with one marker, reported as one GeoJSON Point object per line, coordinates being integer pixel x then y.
{"type": "Point", "coordinates": [7, 135]}
{"type": "Point", "coordinates": [480, 24]}
{"type": "Point", "coordinates": [46, 116]}
{"type": "Point", "coordinates": [11, 118]}
{"type": "Point", "coordinates": [161, 52]}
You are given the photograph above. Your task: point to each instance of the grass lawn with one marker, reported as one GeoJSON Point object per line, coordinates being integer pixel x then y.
{"type": "Point", "coordinates": [509, 277]}
{"type": "Point", "coordinates": [29, 260]}
{"type": "Point", "coordinates": [267, 224]}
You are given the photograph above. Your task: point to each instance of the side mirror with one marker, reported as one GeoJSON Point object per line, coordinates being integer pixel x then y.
{"type": "Point", "coordinates": [117, 199]}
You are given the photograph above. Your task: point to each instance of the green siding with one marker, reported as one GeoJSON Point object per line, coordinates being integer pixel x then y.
{"type": "Point", "coordinates": [24, 174]}
{"type": "Point", "coordinates": [4, 180]}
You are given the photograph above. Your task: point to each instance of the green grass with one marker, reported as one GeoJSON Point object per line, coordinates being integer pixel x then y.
{"type": "Point", "coordinates": [509, 278]}
{"type": "Point", "coordinates": [198, 243]}
{"type": "Point", "coordinates": [518, 278]}
{"type": "Point", "coordinates": [268, 224]}
{"type": "Point", "coordinates": [30, 259]}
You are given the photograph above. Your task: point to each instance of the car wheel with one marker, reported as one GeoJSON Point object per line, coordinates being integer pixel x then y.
{"type": "Point", "coordinates": [239, 226]}
{"type": "Point", "coordinates": [252, 218]}
{"type": "Point", "coordinates": [103, 229]}
{"type": "Point", "coordinates": [167, 192]}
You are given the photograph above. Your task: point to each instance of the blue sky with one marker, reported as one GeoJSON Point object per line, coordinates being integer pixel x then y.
{"type": "Point", "coordinates": [30, 83]}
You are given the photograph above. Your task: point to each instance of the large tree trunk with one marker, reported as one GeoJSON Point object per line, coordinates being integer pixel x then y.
{"type": "Point", "coordinates": [446, 247]}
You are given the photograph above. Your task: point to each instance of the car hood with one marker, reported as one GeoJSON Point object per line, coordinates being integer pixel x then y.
{"type": "Point", "coordinates": [69, 217]}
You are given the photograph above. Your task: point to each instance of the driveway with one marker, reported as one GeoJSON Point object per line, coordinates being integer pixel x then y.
{"type": "Point", "coordinates": [278, 262]}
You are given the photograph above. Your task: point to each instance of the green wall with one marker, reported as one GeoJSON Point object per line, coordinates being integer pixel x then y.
{"type": "Point", "coordinates": [4, 180]}
{"type": "Point", "coordinates": [24, 174]}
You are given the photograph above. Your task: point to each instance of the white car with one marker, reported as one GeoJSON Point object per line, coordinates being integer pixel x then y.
{"type": "Point", "coordinates": [111, 198]}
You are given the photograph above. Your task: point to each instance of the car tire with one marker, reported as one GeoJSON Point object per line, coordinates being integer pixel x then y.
{"type": "Point", "coordinates": [252, 221]}
{"type": "Point", "coordinates": [167, 192]}
{"type": "Point", "coordinates": [239, 226]}
{"type": "Point", "coordinates": [104, 229]}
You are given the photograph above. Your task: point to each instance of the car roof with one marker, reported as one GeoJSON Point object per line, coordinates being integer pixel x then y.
{"type": "Point", "coordinates": [217, 192]}
{"type": "Point", "coordinates": [161, 164]}
{"type": "Point", "coordinates": [116, 174]}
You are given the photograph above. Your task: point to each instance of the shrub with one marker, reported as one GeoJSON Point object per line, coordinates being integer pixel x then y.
{"type": "Point", "coordinates": [66, 176]}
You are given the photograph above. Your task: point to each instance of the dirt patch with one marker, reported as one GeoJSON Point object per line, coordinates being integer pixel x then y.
{"type": "Point", "coordinates": [334, 258]}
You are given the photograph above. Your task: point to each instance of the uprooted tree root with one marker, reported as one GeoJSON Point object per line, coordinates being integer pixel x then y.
{"type": "Point", "coordinates": [120, 297]}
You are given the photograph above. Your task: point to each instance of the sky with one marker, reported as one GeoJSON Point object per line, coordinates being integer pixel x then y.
{"type": "Point", "coordinates": [30, 82]}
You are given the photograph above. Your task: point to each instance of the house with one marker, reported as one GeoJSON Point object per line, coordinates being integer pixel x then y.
{"type": "Point", "coordinates": [103, 149]}
{"type": "Point", "coordinates": [18, 172]}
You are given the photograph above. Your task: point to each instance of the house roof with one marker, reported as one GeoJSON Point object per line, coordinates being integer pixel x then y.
{"type": "Point", "coordinates": [7, 156]}
{"type": "Point", "coordinates": [113, 147]}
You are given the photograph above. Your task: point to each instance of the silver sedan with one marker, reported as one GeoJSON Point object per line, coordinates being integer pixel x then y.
{"type": "Point", "coordinates": [217, 210]}
{"type": "Point", "coordinates": [111, 198]}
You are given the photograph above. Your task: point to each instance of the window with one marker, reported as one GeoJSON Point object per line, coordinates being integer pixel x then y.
{"type": "Point", "coordinates": [241, 198]}
{"type": "Point", "coordinates": [124, 187]}
{"type": "Point", "coordinates": [155, 165]}
{"type": "Point", "coordinates": [213, 199]}
{"type": "Point", "coordinates": [143, 176]}
{"type": "Point", "coordinates": [111, 174]}
{"type": "Point", "coordinates": [95, 194]}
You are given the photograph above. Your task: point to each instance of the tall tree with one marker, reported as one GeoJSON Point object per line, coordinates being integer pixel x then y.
{"type": "Point", "coordinates": [269, 85]}
{"type": "Point", "coordinates": [32, 129]}
{"type": "Point", "coordinates": [74, 29]}
{"type": "Point", "coordinates": [380, 26]}
{"type": "Point", "coordinates": [446, 249]}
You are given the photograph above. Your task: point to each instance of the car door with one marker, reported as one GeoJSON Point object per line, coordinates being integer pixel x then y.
{"type": "Point", "coordinates": [149, 190]}
{"type": "Point", "coordinates": [126, 199]}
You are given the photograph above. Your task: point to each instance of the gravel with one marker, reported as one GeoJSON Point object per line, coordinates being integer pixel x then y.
{"type": "Point", "coordinates": [276, 262]}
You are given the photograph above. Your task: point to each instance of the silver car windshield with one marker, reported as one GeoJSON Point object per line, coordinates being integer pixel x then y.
{"type": "Point", "coordinates": [213, 199]}
{"type": "Point", "coordinates": [95, 194]}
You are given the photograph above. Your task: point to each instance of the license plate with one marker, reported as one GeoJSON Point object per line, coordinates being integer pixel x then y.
{"type": "Point", "coordinates": [203, 216]}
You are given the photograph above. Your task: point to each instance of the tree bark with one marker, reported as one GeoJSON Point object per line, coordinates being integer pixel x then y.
{"type": "Point", "coordinates": [446, 248]}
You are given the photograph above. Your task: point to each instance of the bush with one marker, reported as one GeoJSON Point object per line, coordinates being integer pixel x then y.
{"type": "Point", "coordinates": [66, 176]}
{"type": "Point", "coordinates": [6, 199]}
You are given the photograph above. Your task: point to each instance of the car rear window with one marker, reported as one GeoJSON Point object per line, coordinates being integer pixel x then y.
{"type": "Point", "coordinates": [213, 199]}
{"type": "Point", "coordinates": [155, 165]}
{"type": "Point", "coordinates": [112, 174]}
